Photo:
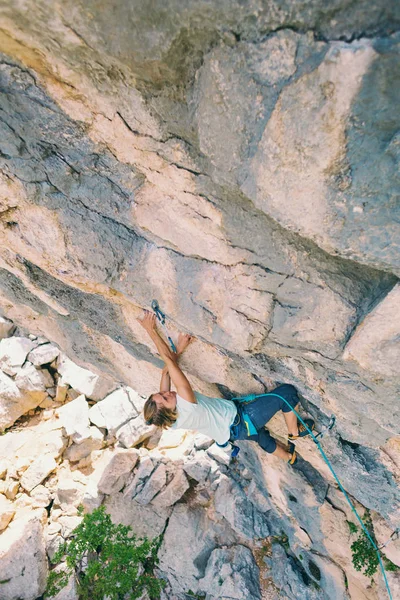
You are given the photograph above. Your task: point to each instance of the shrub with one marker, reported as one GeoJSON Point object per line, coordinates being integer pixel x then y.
{"type": "Point", "coordinates": [364, 555]}
{"type": "Point", "coordinates": [106, 560]}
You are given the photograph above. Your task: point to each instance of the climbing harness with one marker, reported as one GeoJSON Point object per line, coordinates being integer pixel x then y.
{"type": "Point", "coordinates": [331, 423]}
{"type": "Point", "coordinates": [161, 317]}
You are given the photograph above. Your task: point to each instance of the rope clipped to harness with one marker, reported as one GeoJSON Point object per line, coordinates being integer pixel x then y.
{"type": "Point", "coordinates": [353, 508]}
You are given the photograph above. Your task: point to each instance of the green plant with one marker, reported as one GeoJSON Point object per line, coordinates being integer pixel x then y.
{"type": "Point", "coordinates": [365, 557]}
{"type": "Point", "coordinates": [353, 528]}
{"type": "Point", "coordinates": [389, 566]}
{"type": "Point", "coordinates": [107, 560]}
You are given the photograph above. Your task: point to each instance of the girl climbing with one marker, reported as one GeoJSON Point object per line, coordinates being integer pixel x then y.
{"type": "Point", "coordinates": [222, 420]}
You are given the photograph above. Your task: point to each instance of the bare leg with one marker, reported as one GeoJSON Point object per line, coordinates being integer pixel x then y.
{"type": "Point", "coordinates": [291, 422]}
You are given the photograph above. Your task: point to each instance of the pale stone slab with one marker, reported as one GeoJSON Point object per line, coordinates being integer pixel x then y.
{"type": "Point", "coordinates": [6, 327]}
{"type": "Point", "coordinates": [114, 411]}
{"type": "Point", "coordinates": [13, 353]}
{"type": "Point", "coordinates": [83, 381]}
{"type": "Point", "coordinates": [152, 486]}
{"type": "Point", "coordinates": [134, 432]}
{"type": "Point", "coordinates": [375, 343]}
{"type": "Point", "coordinates": [116, 474]}
{"type": "Point", "coordinates": [43, 355]}
{"type": "Point", "coordinates": [23, 562]}
{"type": "Point", "coordinates": [174, 490]}
{"type": "Point", "coordinates": [38, 471]}
{"type": "Point", "coordinates": [7, 511]}
{"type": "Point", "coordinates": [93, 441]}
{"type": "Point", "coordinates": [74, 416]}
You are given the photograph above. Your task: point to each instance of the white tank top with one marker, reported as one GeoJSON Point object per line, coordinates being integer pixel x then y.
{"type": "Point", "coordinates": [211, 416]}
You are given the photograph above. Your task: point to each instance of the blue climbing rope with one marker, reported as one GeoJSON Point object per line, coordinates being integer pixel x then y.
{"type": "Point", "coordinates": [353, 508]}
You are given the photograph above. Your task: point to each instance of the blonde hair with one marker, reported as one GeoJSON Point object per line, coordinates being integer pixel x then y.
{"type": "Point", "coordinates": [159, 415]}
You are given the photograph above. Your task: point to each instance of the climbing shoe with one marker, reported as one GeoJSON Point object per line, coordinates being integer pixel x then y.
{"type": "Point", "coordinates": [302, 430]}
{"type": "Point", "coordinates": [293, 456]}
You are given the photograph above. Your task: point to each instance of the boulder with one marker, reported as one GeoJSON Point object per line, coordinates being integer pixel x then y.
{"type": "Point", "coordinates": [23, 562]}
{"type": "Point", "coordinates": [83, 381]}
{"type": "Point", "coordinates": [14, 402]}
{"type": "Point", "coordinates": [13, 353]}
{"type": "Point", "coordinates": [69, 493]}
{"type": "Point", "coordinates": [188, 541]}
{"type": "Point", "coordinates": [43, 355]}
{"type": "Point", "coordinates": [6, 328]}
{"type": "Point", "coordinates": [74, 417]}
{"type": "Point", "coordinates": [94, 440]}
{"type": "Point", "coordinates": [38, 471]}
{"type": "Point", "coordinates": [153, 485]}
{"type": "Point", "coordinates": [113, 411]}
{"type": "Point", "coordinates": [134, 432]}
{"type": "Point", "coordinates": [116, 474]}
{"type": "Point", "coordinates": [174, 490]}
{"type": "Point", "coordinates": [32, 380]}
{"type": "Point", "coordinates": [198, 466]}
{"type": "Point", "coordinates": [142, 473]}
{"type": "Point", "coordinates": [145, 520]}
{"type": "Point", "coordinates": [231, 573]}
{"type": "Point", "coordinates": [231, 502]}
{"type": "Point", "coordinates": [7, 511]}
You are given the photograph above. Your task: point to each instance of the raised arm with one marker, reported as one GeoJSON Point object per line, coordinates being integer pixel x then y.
{"type": "Point", "coordinates": [183, 341]}
{"type": "Point", "coordinates": [179, 379]}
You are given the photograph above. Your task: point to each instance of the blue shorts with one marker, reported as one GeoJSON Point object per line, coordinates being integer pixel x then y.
{"type": "Point", "coordinates": [260, 411]}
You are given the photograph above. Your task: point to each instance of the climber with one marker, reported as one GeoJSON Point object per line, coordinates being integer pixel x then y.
{"type": "Point", "coordinates": [222, 420]}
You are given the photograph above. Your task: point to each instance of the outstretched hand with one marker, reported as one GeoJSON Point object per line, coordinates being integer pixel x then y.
{"type": "Point", "coordinates": [184, 340]}
{"type": "Point", "coordinates": [148, 321]}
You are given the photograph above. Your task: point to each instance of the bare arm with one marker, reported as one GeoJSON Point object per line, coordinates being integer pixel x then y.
{"type": "Point", "coordinates": [183, 342]}
{"type": "Point", "coordinates": [165, 383]}
{"type": "Point", "coordinates": [179, 379]}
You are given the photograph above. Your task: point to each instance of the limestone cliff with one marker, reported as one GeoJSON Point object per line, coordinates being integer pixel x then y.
{"type": "Point", "coordinates": [239, 162]}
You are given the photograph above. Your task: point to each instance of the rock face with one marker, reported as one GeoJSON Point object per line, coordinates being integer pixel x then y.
{"type": "Point", "coordinates": [239, 162]}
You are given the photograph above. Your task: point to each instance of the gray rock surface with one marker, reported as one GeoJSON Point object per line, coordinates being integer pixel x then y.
{"type": "Point", "coordinates": [238, 161]}
{"type": "Point", "coordinates": [231, 574]}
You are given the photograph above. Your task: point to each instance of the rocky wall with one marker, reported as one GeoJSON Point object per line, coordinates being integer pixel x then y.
{"type": "Point", "coordinates": [237, 161]}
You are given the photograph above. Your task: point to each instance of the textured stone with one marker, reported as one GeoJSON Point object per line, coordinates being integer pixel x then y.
{"type": "Point", "coordinates": [33, 382]}
{"type": "Point", "coordinates": [13, 352]}
{"type": "Point", "coordinates": [13, 402]}
{"type": "Point", "coordinates": [174, 490]}
{"type": "Point", "coordinates": [153, 485]}
{"type": "Point", "coordinates": [231, 503]}
{"type": "Point", "coordinates": [198, 467]}
{"type": "Point", "coordinates": [116, 474]}
{"type": "Point", "coordinates": [6, 512]}
{"type": "Point", "coordinates": [375, 343]}
{"type": "Point", "coordinates": [114, 411]}
{"type": "Point", "coordinates": [231, 573]}
{"type": "Point", "coordinates": [43, 355]}
{"type": "Point", "coordinates": [74, 417]}
{"type": "Point", "coordinates": [93, 441]}
{"type": "Point", "coordinates": [146, 521]}
{"type": "Point", "coordinates": [6, 328]}
{"type": "Point", "coordinates": [23, 563]}
{"type": "Point", "coordinates": [143, 471]}
{"type": "Point", "coordinates": [82, 380]}
{"type": "Point", "coordinates": [134, 432]}
{"type": "Point", "coordinates": [188, 542]}
{"type": "Point", "coordinates": [237, 162]}
{"type": "Point", "coordinates": [38, 471]}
